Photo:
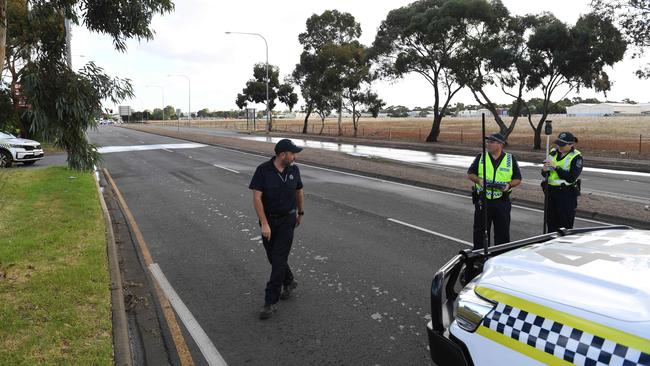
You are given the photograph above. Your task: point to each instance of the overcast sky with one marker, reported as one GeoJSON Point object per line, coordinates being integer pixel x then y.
{"type": "Point", "coordinates": [192, 41]}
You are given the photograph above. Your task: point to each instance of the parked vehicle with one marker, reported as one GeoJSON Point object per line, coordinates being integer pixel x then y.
{"type": "Point", "coordinates": [574, 297]}
{"type": "Point", "coordinates": [17, 150]}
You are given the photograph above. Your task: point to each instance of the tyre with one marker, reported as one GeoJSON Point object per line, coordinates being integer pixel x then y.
{"type": "Point", "coordinates": [28, 163]}
{"type": "Point", "coordinates": [5, 159]}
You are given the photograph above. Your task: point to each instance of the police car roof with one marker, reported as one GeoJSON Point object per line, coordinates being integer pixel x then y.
{"type": "Point", "coordinates": [600, 274]}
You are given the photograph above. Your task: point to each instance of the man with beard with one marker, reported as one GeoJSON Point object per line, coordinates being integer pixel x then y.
{"type": "Point", "coordinates": [278, 199]}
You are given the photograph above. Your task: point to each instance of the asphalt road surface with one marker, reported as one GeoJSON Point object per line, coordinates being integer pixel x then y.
{"type": "Point", "coordinates": [364, 255]}
{"type": "Point", "coordinates": [623, 185]}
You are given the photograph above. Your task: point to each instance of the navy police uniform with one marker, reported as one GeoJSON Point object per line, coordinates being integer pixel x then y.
{"type": "Point", "coordinates": [279, 201]}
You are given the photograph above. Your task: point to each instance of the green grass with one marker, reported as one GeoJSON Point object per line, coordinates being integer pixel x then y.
{"type": "Point", "coordinates": [54, 282]}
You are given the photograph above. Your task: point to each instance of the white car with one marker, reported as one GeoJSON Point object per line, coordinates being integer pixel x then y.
{"type": "Point", "coordinates": [17, 150]}
{"type": "Point", "coordinates": [575, 297]}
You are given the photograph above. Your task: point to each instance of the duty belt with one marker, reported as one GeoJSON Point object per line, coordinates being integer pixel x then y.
{"type": "Point", "coordinates": [280, 215]}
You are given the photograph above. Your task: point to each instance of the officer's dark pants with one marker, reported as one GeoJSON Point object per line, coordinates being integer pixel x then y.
{"type": "Point", "coordinates": [561, 209]}
{"type": "Point", "coordinates": [498, 214]}
{"type": "Point", "coordinates": [277, 252]}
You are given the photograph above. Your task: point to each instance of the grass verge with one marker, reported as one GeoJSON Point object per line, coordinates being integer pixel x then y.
{"type": "Point", "coordinates": [54, 282]}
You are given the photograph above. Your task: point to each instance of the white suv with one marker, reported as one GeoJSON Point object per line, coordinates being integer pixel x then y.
{"type": "Point", "coordinates": [14, 149]}
{"type": "Point", "coordinates": [575, 297]}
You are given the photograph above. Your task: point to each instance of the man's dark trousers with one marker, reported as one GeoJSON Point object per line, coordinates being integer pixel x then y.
{"type": "Point", "coordinates": [277, 252]}
{"type": "Point", "coordinates": [498, 213]}
{"type": "Point", "coordinates": [562, 204]}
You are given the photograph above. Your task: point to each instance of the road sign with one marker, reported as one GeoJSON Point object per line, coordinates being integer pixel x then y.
{"type": "Point", "coordinates": [125, 110]}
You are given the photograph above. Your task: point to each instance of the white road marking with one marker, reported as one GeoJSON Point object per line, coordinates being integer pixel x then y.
{"type": "Point", "coordinates": [432, 232]}
{"type": "Point", "coordinates": [112, 149]}
{"type": "Point", "coordinates": [224, 168]}
{"type": "Point", "coordinates": [401, 184]}
{"type": "Point", "coordinates": [171, 151]}
{"type": "Point", "coordinates": [209, 351]}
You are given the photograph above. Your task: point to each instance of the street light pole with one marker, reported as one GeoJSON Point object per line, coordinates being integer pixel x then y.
{"type": "Point", "coordinates": [266, 44]}
{"type": "Point", "coordinates": [189, 95]}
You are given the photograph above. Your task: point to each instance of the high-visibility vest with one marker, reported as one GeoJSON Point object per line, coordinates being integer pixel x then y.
{"type": "Point", "coordinates": [564, 164]}
{"type": "Point", "coordinates": [502, 176]}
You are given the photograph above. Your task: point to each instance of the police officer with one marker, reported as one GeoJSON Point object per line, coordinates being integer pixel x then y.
{"type": "Point", "coordinates": [562, 168]}
{"type": "Point", "coordinates": [503, 174]}
{"type": "Point", "coordinates": [278, 200]}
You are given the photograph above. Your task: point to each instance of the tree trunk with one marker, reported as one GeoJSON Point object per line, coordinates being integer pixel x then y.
{"type": "Point", "coordinates": [270, 126]}
{"type": "Point", "coordinates": [304, 126]}
{"type": "Point", "coordinates": [435, 129]}
{"type": "Point", "coordinates": [3, 32]}
{"type": "Point", "coordinates": [322, 123]}
{"type": "Point", "coordinates": [340, 117]}
{"type": "Point", "coordinates": [537, 143]}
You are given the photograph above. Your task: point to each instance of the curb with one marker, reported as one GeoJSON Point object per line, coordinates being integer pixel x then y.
{"type": "Point", "coordinates": [593, 215]}
{"type": "Point", "coordinates": [121, 344]}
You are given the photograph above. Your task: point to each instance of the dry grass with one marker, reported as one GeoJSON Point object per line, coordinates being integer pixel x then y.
{"type": "Point", "coordinates": [601, 134]}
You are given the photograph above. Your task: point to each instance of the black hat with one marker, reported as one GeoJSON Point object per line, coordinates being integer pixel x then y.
{"type": "Point", "coordinates": [286, 145]}
{"type": "Point", "coordinates": [497, 137]}
{"type": "Point", "coordinates": [565, 138]}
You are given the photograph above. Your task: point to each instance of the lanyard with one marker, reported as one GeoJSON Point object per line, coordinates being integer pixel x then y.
{"type": "Point", "coordinates": [284, 180]}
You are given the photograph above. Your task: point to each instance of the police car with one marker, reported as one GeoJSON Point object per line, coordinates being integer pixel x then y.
{"type": "Point", "coordinates": [14, 149]}
{"type": "Point", "coordinates": [574, 297]}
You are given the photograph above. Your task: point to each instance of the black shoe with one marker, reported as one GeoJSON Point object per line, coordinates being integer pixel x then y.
{"type": "Point", "coordinates": [268, 310]}
{"type": "Point", "coordinates": [287, 290]}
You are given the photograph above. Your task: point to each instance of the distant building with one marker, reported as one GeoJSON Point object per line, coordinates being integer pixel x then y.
{"type": "Point", "coordinates": [472, 113]}
{"type": "Point", "coordinates": [607, 109]}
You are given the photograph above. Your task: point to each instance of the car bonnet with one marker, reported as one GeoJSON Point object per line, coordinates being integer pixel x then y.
{"type": "Point", "coordinates": [605, 272]}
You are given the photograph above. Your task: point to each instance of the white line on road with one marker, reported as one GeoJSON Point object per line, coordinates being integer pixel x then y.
{"type": "Point", "coordinates": [399, 184]}
{"type": "Point", "coordinates": [224, 168]}
{"type": "Point", "coordinates": [171, 151]}
{"type": "Point", "coordinates": [209, 351]}
{"type": "Point", "coordinates": [431, 232]}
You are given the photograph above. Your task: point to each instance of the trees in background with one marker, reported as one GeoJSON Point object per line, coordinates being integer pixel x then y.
{"type": "Point", "coordinates": [255, 90]}
{"type": "Point", "coordinates": [633, 18]}
{"type": "Point", "coordinates": [59, 103]}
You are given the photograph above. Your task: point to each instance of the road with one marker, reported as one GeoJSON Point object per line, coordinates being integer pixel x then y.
{"type": "Point", "coordinates": [364, 255]}
{"type": "Point", "coordinates": [622, 185]}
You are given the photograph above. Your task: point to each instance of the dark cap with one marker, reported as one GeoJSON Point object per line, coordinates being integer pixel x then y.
{"type": "Point", "coordinates": [565, 138]}
{"type": "Point", "coordinates": [286, 145]}
{"type": "Point", "coordinates": [497, 137]}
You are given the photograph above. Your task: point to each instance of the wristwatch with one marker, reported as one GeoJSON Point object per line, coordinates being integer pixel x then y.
{"type": "Point", "coordinates": [301, 213]}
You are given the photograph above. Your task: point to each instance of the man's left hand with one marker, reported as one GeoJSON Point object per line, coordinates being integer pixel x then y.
{"type": "Point", "coordinates": [298, 220]}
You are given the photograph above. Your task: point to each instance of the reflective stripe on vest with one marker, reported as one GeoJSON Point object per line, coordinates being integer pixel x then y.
{"type": "Point", "coordinates": [564, 164]}
{"type": "Point", "coordinates": [503, 175]}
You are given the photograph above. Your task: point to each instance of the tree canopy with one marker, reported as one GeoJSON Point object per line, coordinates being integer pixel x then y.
{"type": "Point", "coordinates": [61, 103]}
{"type": "Point", "coordinates": [255, 90]}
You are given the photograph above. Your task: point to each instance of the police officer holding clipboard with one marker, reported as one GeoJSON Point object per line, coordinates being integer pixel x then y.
{"type": "Point", "coordinates": [562, 169]}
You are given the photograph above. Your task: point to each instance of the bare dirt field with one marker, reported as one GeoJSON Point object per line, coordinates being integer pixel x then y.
{"type": "Point", "coordinates": [622, 136]}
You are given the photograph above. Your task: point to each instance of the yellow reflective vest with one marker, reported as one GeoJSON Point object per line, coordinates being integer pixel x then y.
{"type": "Point", "coordinates": [502, 176]}
{"type": "Point", "coordinates": [564, 164]}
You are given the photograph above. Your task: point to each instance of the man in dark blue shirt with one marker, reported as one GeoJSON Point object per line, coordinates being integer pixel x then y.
{"type": "Point", "coordinates": [278, 199]}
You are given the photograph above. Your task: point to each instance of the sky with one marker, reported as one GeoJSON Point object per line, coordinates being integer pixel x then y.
{"type": "Point", "coordinates": [192, 42]}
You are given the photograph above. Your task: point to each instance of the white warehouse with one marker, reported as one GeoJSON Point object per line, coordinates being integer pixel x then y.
{"type": "Point", "coordinates": [607, 109]}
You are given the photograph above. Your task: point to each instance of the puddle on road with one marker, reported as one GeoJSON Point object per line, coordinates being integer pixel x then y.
{"type": "Point", "coordinates": [413, 156]}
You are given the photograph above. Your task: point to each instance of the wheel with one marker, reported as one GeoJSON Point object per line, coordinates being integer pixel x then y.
{"type": "Point", "coordinates": [28, 163]}
{"type": "Point", "coordinates": [5, 159]}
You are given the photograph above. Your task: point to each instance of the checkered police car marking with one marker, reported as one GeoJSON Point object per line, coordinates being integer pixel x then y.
{"type": "Point", "coordinates": [560, 340]}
